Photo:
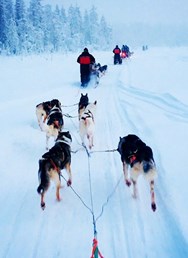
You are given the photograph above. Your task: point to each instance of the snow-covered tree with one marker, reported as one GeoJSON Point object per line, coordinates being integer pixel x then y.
{"type": "Point", "coordinates": [3, 36]}
{"type": "Point", "coordinates": [94, 26]}
{"type": "Point", "coordinates": [75, 27]}
{"type": "Point", "coordinates": [21, 23]}
{"type": "Point", "coordinates": [11, 42]}
{"type": "Point", "coordinates": [106, 34]}
{"type": "Point", "coordinates": [36, 26]}
{"type": "Point", "coordinates": [86, 29]}
{"type": "Point", "coordinates": [42, 28]}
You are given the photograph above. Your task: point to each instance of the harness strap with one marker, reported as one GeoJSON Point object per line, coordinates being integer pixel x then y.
{"type": "Point", "coordinates": [55, 110]}
{"type": "Point", "coordinates": [88, 114]}
{"type": "Point", "coordinates": [66, 140]}
{"type": "Point", "coordinates": [133, 160]}
{"type": "Point", "coordinates": [55, 167]}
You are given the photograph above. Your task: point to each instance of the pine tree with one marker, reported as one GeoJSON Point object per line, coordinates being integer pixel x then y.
{"type": "Point", "coordinates": [2, 26]}
{"type": "Point", "coordinates": [21, 23]}
{"type": "Point", "coordinates": [11, 43]}
{"type": "Point", "coordinates": [94, 26]}
{"type": "Point", "coordinates": [40, 28]}
{"type": "Point", "coordinates": [106, 34]}
{"type": "Point", "coordinates": [36, 26]}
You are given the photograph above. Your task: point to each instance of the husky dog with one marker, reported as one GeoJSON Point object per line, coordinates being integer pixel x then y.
{"type": "Point", "coordinates": [84, 101]}
{"type": "Point", "coordinates": [43, 110]}
{"type": "Point", "coordinates": [136, 154]}
{"type": "Point", "coordinates": [54, 124]}
{"type": "Point", "coordinates": [51, 164]}
{"type": "Point", "coordinates": [98, 71]}
{"type": "Point", "coordinates": [87, 123]}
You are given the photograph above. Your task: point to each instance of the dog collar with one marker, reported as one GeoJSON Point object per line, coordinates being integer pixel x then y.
{"type": "Point", "coordinates": [67, 140]}
{"type": "Point", "coordinates": [88, 114]}
{"type": "Point", "coordinates": [133, 160]}
{"type": "Point", "coordinates": [56, 110]}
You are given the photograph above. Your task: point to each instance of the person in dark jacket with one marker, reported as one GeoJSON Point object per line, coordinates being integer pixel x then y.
{"type": "Point", "coordinates": [117, 58]}
{"type": "Point", "coordinates": [85, 60]}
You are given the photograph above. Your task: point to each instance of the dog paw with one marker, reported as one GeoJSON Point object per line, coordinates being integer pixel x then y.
{"type": "Point", "coordinates": [153, 206]}
{"type": "Point", "coordinates": [134, 196]}
{"type": "Point", "coordinates": [128, 183]}
{"type": "Point", "coordinates": [69, 182]}
{"type": "Point", "coordinates": [43, 206]}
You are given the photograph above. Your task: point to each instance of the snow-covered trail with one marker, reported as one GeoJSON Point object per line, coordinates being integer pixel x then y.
{"type": "Point", "coordinates": [129, 108]}
{"type": "Point", "coordinates": [126, 227]}
{"type": "Point", "coordinates": [143, 107]}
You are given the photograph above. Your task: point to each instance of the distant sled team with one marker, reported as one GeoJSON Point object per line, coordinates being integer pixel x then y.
{"type": "Point", "coordinates": [97, 71]}
{"type": "Point", "coordinates": [89, 68]}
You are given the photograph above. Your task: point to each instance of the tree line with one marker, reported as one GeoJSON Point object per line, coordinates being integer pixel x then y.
{"type": "Point", "coordinates": [37, 28]}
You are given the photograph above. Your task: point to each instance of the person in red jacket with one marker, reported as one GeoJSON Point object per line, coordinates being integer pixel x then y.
{"type": "Point", "coordinates": [85, 60]}
{"type": "Point", "coordinates": [117, 58]}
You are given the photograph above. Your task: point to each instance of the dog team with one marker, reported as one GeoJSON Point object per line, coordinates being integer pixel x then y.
{"type": "Point", "coordinates": [137, 158]}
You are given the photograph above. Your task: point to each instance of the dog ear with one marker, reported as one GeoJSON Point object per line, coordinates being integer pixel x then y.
{"type": "Point", "coordinates": [120, 138]}
{"type": "Point", "coordinates": [81, 94]}
{"type": "Point", "coordinates": [86, 95]}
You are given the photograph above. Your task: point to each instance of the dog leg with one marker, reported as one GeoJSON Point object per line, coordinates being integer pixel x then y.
{"type": "Point", "coordinates": [125, 171]}
{"type": "Point", "coordinates": [55, 176]}
{"type": "Point", "coordinates": [58, 192]}
{"type": "Point", "coordinates": [90, 138]}
{"type": "Point", "coordinates": [42, 203]}
{"type": "Point", "coordinates": [68, 169]}
{"type": "Point", "coordinates": [135, 191]}
{"type": "Point", "coordinates": [47, 141]}
{"type": "Point", "coordinates": [153, 204]}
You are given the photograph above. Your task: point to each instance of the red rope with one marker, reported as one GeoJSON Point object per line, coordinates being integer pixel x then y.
{"type": "Point", "coordinates": [95, 248]}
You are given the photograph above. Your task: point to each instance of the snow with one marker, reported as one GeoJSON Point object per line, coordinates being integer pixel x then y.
{"type": "Point", "coordinates": [147, 95]}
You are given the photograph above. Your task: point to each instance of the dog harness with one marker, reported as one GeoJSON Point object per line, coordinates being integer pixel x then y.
{"type": "Point", "coordinates": [88, 115]}
{"type": "Point", "coordinates": [55, 167]}
{"type": "Point", "coordinates": [68, 141]}
{"type": "Point", "coordinates": [133, 160]}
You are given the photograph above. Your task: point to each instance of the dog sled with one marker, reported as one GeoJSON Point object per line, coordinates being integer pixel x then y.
{"type": "Point", "coordinates": [125, 54]}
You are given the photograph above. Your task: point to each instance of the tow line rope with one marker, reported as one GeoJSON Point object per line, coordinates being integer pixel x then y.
{"type": "Point", "coordinates": [69, 116]}
{"type": "Point", "coordinates": [103, 151]}
{"type": "Point", "coordinates": [70, 105]}
{"type": "Point", "coordinates": [95, 250]}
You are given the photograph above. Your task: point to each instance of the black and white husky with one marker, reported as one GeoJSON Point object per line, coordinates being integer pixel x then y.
{"type": "Point", "coordinates": [87, 124]}
{"type": "Point", "coordinates": [83, 102]}
{"type": "Point", "coordinates": [43, 110]}
{"type": "Point", "coordinates": [51, 164]}
{"type": "Point", "coordinates": [98, 71]}
{"type": "Point", "coordinates": [54, 125]}
{"type": "Point", "coordinates": [139, 157]}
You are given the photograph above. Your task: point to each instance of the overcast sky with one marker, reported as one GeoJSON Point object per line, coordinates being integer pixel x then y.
{"type": "Point", "coordinates": [124, 11]}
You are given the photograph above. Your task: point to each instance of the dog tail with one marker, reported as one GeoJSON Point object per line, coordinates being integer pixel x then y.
{"type": "Point", "coordinates": [43, 175]}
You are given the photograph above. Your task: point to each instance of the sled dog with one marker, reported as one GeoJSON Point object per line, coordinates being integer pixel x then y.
{"type": "Point", "coordinates": [137, 156]}
{"type": "Point", "coordinates": [98, 71]}
{"type": "Point", "coordinates": [51, 164]}
{"type": "Point", "coordinates": [84, 101]}
{"type": "Point", "coordinates": [54, 124]}
{"type": "Point", "coordinates": [87, 123]}
{"type": "Point", "coordinates": [43, 110]}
